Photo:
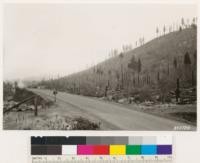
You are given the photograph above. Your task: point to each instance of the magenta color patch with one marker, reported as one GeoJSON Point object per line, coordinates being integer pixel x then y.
{"type": "Point", "coordinates": [85, 149]}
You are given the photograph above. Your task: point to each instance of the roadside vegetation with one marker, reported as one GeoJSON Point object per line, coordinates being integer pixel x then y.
{"type": "Point", "coordinates": [22, 117]}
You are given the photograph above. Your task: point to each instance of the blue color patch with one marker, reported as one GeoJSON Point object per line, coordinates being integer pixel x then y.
{"type": "Point", "coordinates": [148, 149]}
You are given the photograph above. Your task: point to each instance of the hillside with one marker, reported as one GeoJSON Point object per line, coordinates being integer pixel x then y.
{"type": "Point", "coordinates": [162, 62]}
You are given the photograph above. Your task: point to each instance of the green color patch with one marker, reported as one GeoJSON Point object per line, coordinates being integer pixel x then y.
{"type": "Point", "coordinates": [133, 149]}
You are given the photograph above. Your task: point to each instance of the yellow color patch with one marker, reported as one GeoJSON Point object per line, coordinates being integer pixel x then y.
{"type": "Point", "coordinates": [117, 150]}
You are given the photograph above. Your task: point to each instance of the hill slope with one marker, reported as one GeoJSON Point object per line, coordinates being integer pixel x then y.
{"type": "Point", "coordinates": [162, 62]}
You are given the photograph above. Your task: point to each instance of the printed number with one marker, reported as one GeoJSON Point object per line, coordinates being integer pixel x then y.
{"type": "Point", "coordinates": [182, 128]}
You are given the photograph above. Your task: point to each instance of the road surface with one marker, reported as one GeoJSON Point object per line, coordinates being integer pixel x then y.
{"type": "Point", "coordinates": [111, 116]}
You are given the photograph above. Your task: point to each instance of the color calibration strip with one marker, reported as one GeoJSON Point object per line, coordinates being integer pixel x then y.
{"type": "Point", "coordinates": [102, 146]}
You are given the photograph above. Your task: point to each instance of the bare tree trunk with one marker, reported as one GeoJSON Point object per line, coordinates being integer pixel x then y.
{"type": "Point", "coordinates": [177, 90]}
{"type": "Point", "coordinates": [193, 80]}
{"type": "Point", "coordinates": [122, 77]}
{"type": "Point", "coordinates": [168, 68]}
{"type": "Point", "coordinates": [158, 76]}
{"type": "Point", "coordinates": [35, 104]}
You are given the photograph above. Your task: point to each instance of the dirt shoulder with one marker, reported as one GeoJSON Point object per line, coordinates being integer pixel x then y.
{"type": "Point", "coordinates": [182, 113]}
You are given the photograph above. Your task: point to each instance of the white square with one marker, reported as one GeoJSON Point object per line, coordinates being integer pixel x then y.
{"type": "Point", "coordinates": [164, 140]}
{"type": "Point", "coordinates": [69, 149]}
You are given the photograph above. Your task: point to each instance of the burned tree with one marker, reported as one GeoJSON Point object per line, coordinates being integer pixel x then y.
{"type": "Point", "coordinates": [133, 66]}
{"type": "Point", "coordinates": [121, 56]}
{"type": "Point", "coordinates": [164, 30]}
{"type": "Point", "coordinates": [157, 31]}
{"type": "Point", "coordinates": [177, 90]}
{"type": "Point", "coordinates": [175, 63]}
{"type": "Point", "coordinates": [139, 68]}
{"type": "Point", "coordinates": [187, 64]}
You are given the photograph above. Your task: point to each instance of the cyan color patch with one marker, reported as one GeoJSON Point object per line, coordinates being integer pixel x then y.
{"type": "Point", "coordinates": [148, 149]}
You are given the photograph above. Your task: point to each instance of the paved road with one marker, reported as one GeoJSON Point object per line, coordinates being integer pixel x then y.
{"type": "Point", "coordinates": [112, 116]}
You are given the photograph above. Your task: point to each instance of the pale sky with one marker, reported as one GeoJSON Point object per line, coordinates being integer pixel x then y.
{"type": "Point", "coordinates": [42, 40]}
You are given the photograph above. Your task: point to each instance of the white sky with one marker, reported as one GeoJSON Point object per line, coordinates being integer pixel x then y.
{"type": "Point", "coordinates": [42, 40]}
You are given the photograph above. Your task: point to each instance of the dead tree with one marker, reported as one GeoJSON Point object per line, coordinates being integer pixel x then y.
{"type": "Point", "coordinates": [177, 90]}
{"type": "Point", "coordinates": [35, 105]}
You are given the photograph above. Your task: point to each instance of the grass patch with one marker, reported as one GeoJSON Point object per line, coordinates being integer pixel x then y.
{"type": "Point", "coordinates": [81, 123]}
